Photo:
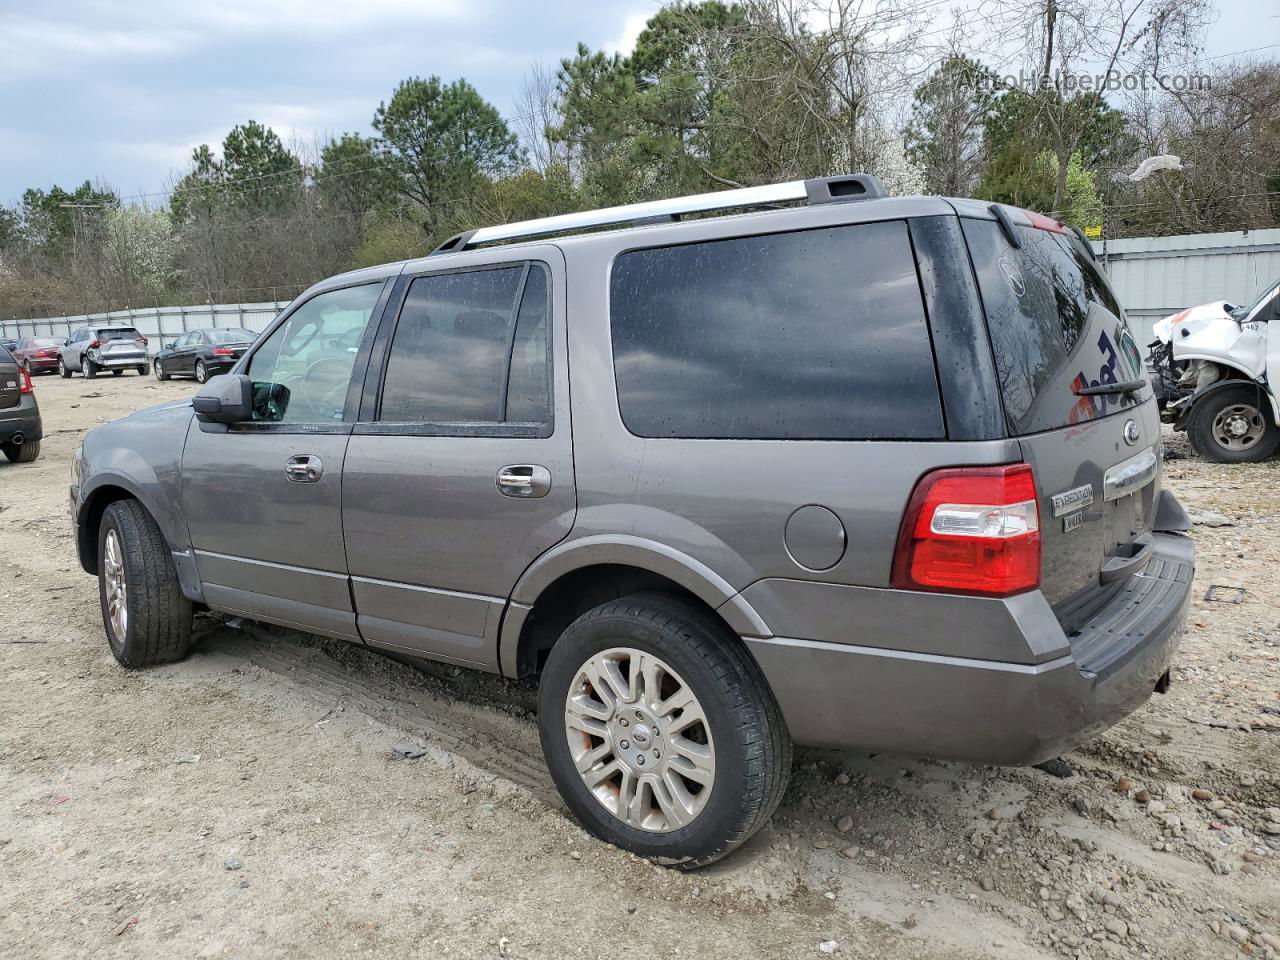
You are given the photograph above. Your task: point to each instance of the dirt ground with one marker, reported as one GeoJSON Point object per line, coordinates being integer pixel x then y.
{"type": "Point", "coordinates": [249, 802]}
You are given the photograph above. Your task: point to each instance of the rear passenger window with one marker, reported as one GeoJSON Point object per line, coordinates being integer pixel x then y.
{"type": "Point", "coordinates": [471, 347]}
{"type": "Point", "coordinates": [819, 334]}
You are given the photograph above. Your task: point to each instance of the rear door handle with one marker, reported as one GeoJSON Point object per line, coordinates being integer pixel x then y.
{"type": "Point", "coordinates": [304, 468]}
{"type": "Point", "coordinates": [524, 480]}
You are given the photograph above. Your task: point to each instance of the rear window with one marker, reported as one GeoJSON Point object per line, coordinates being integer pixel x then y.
{"type": "Point", "coordinates": [819, 334]}
{"type": "Point", "coordinates": [119, 333]}
{"type": "Point", "coordinates": [230, 336]}
{"type": "Point", "coordinates": [1055, 327]}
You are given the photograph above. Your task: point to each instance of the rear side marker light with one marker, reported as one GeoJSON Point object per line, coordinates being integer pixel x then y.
{"type": "Point", "coordinates": [971, 530]}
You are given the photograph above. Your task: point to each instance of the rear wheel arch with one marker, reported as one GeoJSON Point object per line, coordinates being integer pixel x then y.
{"type": "Point", "coordinates": [544, 605]}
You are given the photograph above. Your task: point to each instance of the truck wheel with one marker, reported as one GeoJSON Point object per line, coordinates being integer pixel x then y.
{"type": "Point", "coordinates": [147, 618]}
{"type": "Point", "coordinates": [1234, 425]}
{"type": "Point", "coordinates": [21, 452]}
{"type": "Point", "coordinates": [660, 731]}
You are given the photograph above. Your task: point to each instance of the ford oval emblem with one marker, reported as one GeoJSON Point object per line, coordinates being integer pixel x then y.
{"type": "Point", "coordinates": [1130, 432]}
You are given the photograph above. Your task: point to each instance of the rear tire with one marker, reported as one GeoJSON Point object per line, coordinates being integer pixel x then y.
{"type": "Point", "coordinates": [202, 373]}
{"type": "Point", "coordinates": [116, 373]}
{"type": "Point", "coordinates": [144, 370]}
{"type": "Point", "coordinates": [21, 452]}
{"type": "Point", "coordinates": [136, 575]}
{"type": "Point", "coordinates": [739, 734]}
{"type": "Point", "coordinates": [1234, 425]}
{"type": "Point", "coordinates": [88, 368]}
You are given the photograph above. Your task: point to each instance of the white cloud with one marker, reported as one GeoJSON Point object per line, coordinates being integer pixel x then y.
{"type": "Point", "coordinates": [632, 27]}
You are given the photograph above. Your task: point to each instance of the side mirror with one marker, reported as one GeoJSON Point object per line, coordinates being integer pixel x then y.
{"type": "Point", "coordinates": [226, 398]}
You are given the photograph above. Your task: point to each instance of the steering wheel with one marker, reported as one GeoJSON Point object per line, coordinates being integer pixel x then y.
{"type": "Point", "coordinates": [326, 402]}
{"type": "Point", "coordinates": [299, 339]}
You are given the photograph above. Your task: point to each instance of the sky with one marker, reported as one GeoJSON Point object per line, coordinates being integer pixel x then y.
{"type": "Point", "coordinates": [122, 92]}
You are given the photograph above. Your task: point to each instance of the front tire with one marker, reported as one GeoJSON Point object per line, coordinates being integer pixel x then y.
{"type": "Point", "coordinates": [146, 616]}
{"type": "Point", "coordinates": [159, 370]}
{"type": "Point", "coordinates": [1234, 425]}
{"type": "Point", "coordinates": [63, 372]}
{"type": "Point", "coordinates": [660, 732]}
{"type": "Point", "coordinates": [21, 452]}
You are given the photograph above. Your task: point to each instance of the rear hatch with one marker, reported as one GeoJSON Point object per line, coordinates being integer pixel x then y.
{"type": "Point", "coordinates": [10, 381]}
{"type": "Point", "coordinates": [1056, 329]}
{"type": "Point", "coordinates": [120, 343]}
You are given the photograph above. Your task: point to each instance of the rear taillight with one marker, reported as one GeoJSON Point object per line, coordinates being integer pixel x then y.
{"type": "Point", "coordinates": [24, 379]}
{"type": "Point", "coordinates": [971, 530]}
{"type": "Point", "coordinates": [223, 352]}
{"type": "Point", "coordinates": [141, 340]}
{"type": "Point", "coordinates": [95, 343]}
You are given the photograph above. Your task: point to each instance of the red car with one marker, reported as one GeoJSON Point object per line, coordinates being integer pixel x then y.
{"type": "Point", "coordinates": [38, 354]}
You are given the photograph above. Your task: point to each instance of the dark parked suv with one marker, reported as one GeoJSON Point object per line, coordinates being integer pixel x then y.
{"type": "Point", "coordinates": [20, 425]}
{"type": "Point", "coordinates": [861, 472]}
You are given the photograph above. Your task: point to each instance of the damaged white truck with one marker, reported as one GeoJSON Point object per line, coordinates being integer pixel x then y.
{"type": "Point", "coordinates": [1215, 368]}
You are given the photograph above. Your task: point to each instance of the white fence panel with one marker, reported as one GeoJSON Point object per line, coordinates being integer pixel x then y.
{"type": "Point", "coordinates": [1157, 276]}
{"type": "Point", "coordinates": [155, 323]}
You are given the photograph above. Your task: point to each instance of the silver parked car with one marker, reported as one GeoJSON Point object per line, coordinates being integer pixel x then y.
{"type": "Point", "coordinates": [94, 349]}
{"type": "Point", "coordinates": [859, 472]}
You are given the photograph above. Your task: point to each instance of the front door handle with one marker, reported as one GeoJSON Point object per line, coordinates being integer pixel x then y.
{"type": "Point", "coordinates": [304, 468]}
{"type": "Point", "coordinates": [524, 480]}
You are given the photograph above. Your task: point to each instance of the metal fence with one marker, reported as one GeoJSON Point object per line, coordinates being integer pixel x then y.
{"type": "Point", "coordinates": [156, 323]}
{"type": "Point", "coordinates": [1156, 276]}
{"type": "Point", "coordinates": [1152, 276]}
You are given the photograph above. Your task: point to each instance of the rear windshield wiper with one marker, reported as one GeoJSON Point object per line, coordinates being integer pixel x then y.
{"type": "Point", "coordinates": [1105, 389]}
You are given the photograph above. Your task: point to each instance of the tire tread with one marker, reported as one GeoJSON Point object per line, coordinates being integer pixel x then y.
{"type": "Point", "coordinates": [160, 624]}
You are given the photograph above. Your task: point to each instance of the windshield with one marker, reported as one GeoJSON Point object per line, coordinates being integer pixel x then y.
{"type": "Point", "coordinates": [230, 336]}
{"type": "Point", "coordinates": [1267, 293]}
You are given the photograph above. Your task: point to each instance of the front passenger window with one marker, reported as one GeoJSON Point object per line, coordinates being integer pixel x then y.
{"type": "Point", "coordinates": [301, 372]}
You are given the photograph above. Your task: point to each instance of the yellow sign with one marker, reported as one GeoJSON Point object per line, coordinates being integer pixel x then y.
{"type": "Point", "coordinates": [1093, 233]}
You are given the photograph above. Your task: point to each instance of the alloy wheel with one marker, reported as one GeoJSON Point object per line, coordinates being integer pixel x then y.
{"type": "Point", "coordinates": [117, 589]}
{"type": "Point", "coordinates": [640, 740]}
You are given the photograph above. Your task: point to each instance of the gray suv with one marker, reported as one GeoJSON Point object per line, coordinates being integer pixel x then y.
{"type": "Point", "coordinates": [93, 350]}
{"type": "Point", "coordinates": [846, 470]}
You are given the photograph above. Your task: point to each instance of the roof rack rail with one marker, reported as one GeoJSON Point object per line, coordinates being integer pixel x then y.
{"type": "Point", "coordinates": [858, 186]}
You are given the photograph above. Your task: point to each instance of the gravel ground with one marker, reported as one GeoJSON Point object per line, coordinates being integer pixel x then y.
{"type": "Point", "coordinates": [251, 801]}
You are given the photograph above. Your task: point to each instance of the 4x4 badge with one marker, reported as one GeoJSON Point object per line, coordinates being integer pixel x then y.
{"type": "Point", "coordinates": [1074, 499]}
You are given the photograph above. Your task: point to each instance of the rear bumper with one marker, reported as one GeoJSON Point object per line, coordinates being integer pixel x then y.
{"type": "Point", "coordinates": [1058, 692]}
{"type": "Point", "coordinates": [43, 363]}
{"type": "Point", "coordinates": [113, 362]}
{"type": "Point", "coordinates": [22, 420]}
